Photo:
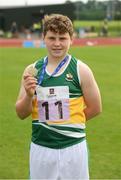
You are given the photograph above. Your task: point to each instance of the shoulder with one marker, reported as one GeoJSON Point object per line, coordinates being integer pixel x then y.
{"type": "Point", "coordinates": [81, 65]}
{"type": "Point", "coordinates": [84, 68]}
{"type": "Point", "coordinates": [85, 72]}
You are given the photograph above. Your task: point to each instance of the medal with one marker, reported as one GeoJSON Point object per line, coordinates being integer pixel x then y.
{"type": "Point", "coordinates": [32, 71]}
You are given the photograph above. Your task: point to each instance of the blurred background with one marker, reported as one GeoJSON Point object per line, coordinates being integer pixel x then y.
{"type": "Point", "coordinates": [91, 18]}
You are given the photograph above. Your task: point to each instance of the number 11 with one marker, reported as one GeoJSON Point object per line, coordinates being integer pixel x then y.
{"type": "Point", "coordinates": [60, 110]}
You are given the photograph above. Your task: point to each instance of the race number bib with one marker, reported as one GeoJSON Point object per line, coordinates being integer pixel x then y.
{"type": "Point", "coordinates": [53, 103]}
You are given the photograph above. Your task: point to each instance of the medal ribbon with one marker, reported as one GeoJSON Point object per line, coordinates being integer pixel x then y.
{"type": "Point", "coordinates": [55, 71]}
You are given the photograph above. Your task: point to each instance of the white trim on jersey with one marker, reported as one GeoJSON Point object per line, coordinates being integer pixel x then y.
{"type": "Point", "coordinates": [66, 133]}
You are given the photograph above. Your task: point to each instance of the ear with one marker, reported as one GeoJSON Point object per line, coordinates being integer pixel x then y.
{"type": "Point", "coordinates": [43, 36]}
{"type": "Point", "coordinates": [71, 42]}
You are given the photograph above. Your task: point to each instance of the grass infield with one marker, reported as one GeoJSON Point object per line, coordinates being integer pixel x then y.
{"type": "Point", "coordinates": [103, 132]}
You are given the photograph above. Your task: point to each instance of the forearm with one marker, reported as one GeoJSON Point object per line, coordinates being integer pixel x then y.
{"type": "Point", "coordinates": [24, 107]}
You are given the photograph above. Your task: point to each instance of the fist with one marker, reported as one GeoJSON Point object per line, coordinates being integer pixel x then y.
{"type": "Point", "coordinates": [30, 81]}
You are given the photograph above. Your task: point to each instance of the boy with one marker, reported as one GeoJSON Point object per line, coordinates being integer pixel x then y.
{"type": "Point", "coordinates": [61, 94]}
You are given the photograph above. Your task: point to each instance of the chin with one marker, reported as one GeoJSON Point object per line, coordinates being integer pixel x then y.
{"type": "Point", "coordinates": [58, 55]}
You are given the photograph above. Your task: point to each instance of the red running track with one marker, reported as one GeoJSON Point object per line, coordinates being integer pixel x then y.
{"type": "Point", "coordinates": [76, 42]}
{"type": "Point", "coordinates": [97, 41]}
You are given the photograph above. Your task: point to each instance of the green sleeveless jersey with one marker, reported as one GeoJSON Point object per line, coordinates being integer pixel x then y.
{"type": "Point", "coordinates": [58, 107]}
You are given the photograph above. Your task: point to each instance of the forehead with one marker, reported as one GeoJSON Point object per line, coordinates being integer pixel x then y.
{"type": "Point", "coordinates": [57, 34]}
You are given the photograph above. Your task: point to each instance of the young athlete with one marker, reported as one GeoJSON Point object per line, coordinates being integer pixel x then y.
{"type": "Point", "coordinates": [61, 94]}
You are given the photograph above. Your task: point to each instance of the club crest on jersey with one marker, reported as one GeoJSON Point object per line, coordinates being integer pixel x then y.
{"type": "Point", "coordinates": [69, 77]}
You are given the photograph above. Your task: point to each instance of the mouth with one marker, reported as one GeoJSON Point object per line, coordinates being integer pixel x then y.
{"type": "Point", "coordinates": [56, 50]}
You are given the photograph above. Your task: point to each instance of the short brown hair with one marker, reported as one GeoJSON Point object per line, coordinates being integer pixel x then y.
{"type": "Point", "coordinates": [57, 23]}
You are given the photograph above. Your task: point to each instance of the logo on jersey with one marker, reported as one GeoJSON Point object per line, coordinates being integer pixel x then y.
{"type": "Point", "coordinates": [51, 91]}
{"type": "Point", "coordinates": [69, 77]}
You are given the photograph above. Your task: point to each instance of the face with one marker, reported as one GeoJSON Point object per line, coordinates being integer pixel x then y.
{"type": "Point", "coordinates": [57, 44]}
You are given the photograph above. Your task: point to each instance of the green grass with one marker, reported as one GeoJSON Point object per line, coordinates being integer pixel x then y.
{"type": "Point", "coordinates": [103, 132]}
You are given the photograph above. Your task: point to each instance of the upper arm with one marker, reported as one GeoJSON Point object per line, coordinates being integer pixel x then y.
{"type": "Point", "coordinates": [90, 88]}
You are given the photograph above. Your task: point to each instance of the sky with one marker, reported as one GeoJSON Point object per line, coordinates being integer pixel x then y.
{"type": "Point", "coordinates": [4, 3]}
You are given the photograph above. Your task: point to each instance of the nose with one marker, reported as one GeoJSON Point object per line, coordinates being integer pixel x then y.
{"type": "Point", "coordinates": [57, 42]}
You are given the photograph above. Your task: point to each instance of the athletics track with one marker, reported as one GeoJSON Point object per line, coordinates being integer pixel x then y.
{"type": "Point", "coordinates": [76, 42]}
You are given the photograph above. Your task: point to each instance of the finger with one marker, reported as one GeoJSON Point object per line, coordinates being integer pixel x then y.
{"type": "Point", "coordinates": [30, 78]}
{"type": "Point", "coordinates": [26, 76]}
{"type": "Point", "coordinates": [30, 83]}
{"type": "Point", "coordinates": [31, 87]}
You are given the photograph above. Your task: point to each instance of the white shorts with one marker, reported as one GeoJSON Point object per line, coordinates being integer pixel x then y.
{"type": "Point", "coordinates": [70, 163]}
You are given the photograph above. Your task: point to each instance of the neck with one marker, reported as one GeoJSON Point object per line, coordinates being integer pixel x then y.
{"type": "Point", "coordinates": [55, 60]}
{"type": "Point", "coordinates": [54, 63]}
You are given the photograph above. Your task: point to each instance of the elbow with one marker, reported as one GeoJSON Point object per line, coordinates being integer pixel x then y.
{"type": "Point", "coordinates": [20, 113]}
{"type": "Point", "coordinates": [91, 112]}
{"type": "Point", "coordinates": [21, 117]}
{"type": "Point", "coordinates": [98, 110]}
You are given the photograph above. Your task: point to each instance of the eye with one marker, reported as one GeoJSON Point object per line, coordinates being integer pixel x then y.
{"type": "Point", "coordinates": [52, 38]}
{"type": "Point", "coordinates": [62, 38]}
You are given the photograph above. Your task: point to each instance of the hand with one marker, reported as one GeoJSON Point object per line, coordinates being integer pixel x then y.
{"type": "Point", "coordinates": [29, 83]}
